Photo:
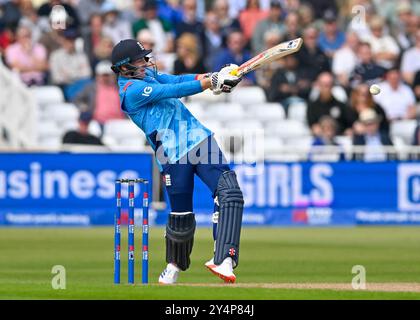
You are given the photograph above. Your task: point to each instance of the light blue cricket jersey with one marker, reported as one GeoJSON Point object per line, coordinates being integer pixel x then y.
{"type": "Point", "coordinates": [153, 105]}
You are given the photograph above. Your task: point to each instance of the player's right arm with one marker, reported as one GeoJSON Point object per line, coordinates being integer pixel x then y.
{"type": "Point", "coordinates": [171, 79]}
{"type": "Point", "coordinates": [142, 93]}
{"type": "Point", "coordinates": [216, 79]}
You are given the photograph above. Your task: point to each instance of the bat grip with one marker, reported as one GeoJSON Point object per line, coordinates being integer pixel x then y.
{"type": "Point", "coordinates": [234, 72]}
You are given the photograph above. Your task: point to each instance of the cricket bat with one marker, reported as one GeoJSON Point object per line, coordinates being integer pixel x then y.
{"type": "Point", "coordinates": [281, 50]}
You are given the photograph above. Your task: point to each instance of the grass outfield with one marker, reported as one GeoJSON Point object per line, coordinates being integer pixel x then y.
{"type": "Point", "coordinates": [270, 258]}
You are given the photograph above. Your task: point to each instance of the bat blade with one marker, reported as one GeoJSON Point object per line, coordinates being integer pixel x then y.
{"type": "Point", "coordinates": [281, 50]}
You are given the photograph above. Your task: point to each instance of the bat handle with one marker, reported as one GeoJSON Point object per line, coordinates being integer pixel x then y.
{"type": "Point", "coordinates": [234, 72]}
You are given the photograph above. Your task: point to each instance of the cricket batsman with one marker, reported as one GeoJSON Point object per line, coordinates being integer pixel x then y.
{"type": "Point", "coordinates": [183, 147]}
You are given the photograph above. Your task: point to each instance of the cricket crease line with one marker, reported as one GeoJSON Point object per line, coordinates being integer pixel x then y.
{"type": "Point", "coordinates": [373, 286]}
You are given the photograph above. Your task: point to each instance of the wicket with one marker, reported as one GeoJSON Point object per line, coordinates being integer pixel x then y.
{"type": "Point", "coordinates": [145, 230]}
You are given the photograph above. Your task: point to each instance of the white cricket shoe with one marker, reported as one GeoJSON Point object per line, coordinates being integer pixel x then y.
{"type": "Point", "coordinates": [169, 275]}
{"type": "Point", "coordinates": [224, 270]}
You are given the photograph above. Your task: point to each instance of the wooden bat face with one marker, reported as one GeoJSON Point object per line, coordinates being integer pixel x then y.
{"type": "Point", "coordinates": [269, 55]}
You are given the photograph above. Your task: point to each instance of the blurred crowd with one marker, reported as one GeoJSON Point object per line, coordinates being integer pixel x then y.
{"type": "Point", "coordinates": [348, 45]}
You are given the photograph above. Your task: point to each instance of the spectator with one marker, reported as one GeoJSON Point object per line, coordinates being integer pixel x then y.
{"type": "Point", "coordinates": [161, 29]}
{"type": "Point", "coordinates": [239, 5]}
{"type": "Point", "coordinates": [326, 138]}
{"type": "Point", "coordinates": [135, 12]}
{"type": "Point", "coordinates": [360, 100]}
{"type": "Point", "coordinates": [372, 138]}
{"type": "Point", "coordinates": [415, 155]}
{"type": "Point", "coordinates": [366, 69]}
{"type": "Point", "coordinates": [82, 135]}
{"type": "Point", "coordinates": [27, 58]}
{"type": "Point", "coordinates": [102, 51]}
{"type": "Point", "coordinates": [100, 98]}
{"type": "Point", "coordinates": [190, 23]}
{"type": "Point", "coordinates": [87, 8]}
{"type": "Point", "coordinates": [6, 38]}
{"type": "Point", "coordinates": [227, 23]}
{"type": "Point", "coordinates": [250, 17]}
{"type": "Point", "coordinates": [310, 56]}
{"type": "Point", "coordinates": [346, 11]}
{"type": "Point", "coordinates": [292, 23]}
{"type": "Point", "coordinates": [391, 10]}
{"type": "Point", "coordinates": [415, 152]}
{"type": "Point", "coordinates": [212, 39]}
{"type": "Point", "coordinates": [272, 22]}
{"type": "Point", "coordinates": [331, 38]}
{"type": "Point", "coordinates": [265, 73]}
{"type": "Point", "coordinates": [384, 48]}
{"type": "Point", "coordinates": [170, 10]}
{"type": "Point", "coordinates": [345, 60]}
{"type": "Point", "coordinates": [321, 6]}
{"type": "Point", "coordinates": [405, 27]}
{"type": "Point", "coordinates": [51, 40]}
{"type": "Point", "coordinates": [326, 104]}
{"type": "Point", "coordinates": [202, 6]}
{"type": "Point", "coordinates": [188, 56]}
{"type": "Point", "coordinates": [235, 7]}
{"type": "Point", "coordinates": [93, 36]}
{"type": "Point", "coordinates": [406, 39]}
{"type": "Point", "coordinates": [359, 14]}
{"type": "Point", "coordinates": [237, 54]}
{"type": "Point", "coordinates": [410, 63]}
{"type": "Point", "coordinates": [289, 84]}
{"type": "Point", "coordinates": [306, 16]}
{"type": "Point", "coordinates": [416, 86]}
{"type": "Point", "coordinates": [10, 14]}
{"type": "Point", "coordinates": [291, 5]}
{"type": "Point", "coordinates": [72, 20]}
{"type": "Point", "coordinates": [114, 26]}
{"type": "Point", "coordinates": [70, 68]}
{"type": "Point", "coordinates": [164, 61]}
{"type": "Point", "coordinates": [396, 98]}
{"type": "Point", "coordinates": [31, 20]}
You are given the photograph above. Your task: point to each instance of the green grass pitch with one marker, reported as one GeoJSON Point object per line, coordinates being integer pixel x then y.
{"type": "Point", "coordinates": [269, 256]}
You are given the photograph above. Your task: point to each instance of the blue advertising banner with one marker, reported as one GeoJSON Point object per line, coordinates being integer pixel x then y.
{"type": "Point", "coordinates": [65, 188]}
{"type": "Point", "coordinates": [44, 189]}
{"type": "Point", "coordinates": [339, 193]}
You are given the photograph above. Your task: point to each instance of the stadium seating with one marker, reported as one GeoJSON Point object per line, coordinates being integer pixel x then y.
{"type": "Point", "coordinates": [266, 111]}
{"type": "Point", "coordinates": [248, 125]}
{"type": "Point", "coordinates": [346, 143]}
{"type": "Point", "coordinates": [272, 144]}
{"type": "Point", "coordinates": [95, 128]}
{"type": "Point", "coordinates": [206, 96]}
{"type": "Point", "coordinates": [196, 108]}
{"type": "Point", "coordinates": [213, 125]}
{"type": "Point", "coordinates": [338, 93]}
{"type": "Point", "coordinates": [123, 134]}
{"type": "Point", "coordinates": [48, 128]}
{"type": "Point", "coordinates": [236, 119]}
{"type": "Point", "coordinates": [297, 111]}
{"type": "Point", "coordinates": [404, 129]}
{"type": "Point", "coordinates": [287, 129]}
{"type": "Point", "coordinates": [400, 147]}
{"type": "Point", "coordinates": [46, 95]}
{"type": "Point", "coordinates": [62, 112]}
{"type": "Point", "coordinates": [247, 95]}
{"type": "Point", "coordinates": [225, 111]}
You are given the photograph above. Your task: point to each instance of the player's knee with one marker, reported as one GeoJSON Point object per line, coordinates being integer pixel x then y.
{"type": "Point", "coordinates": [228, 189]}
{"type": "Point", "coordinates": [181, 201]}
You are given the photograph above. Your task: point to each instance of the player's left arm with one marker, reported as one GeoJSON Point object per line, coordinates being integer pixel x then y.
{"type": "Point", "coordinates": [173, 79]}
